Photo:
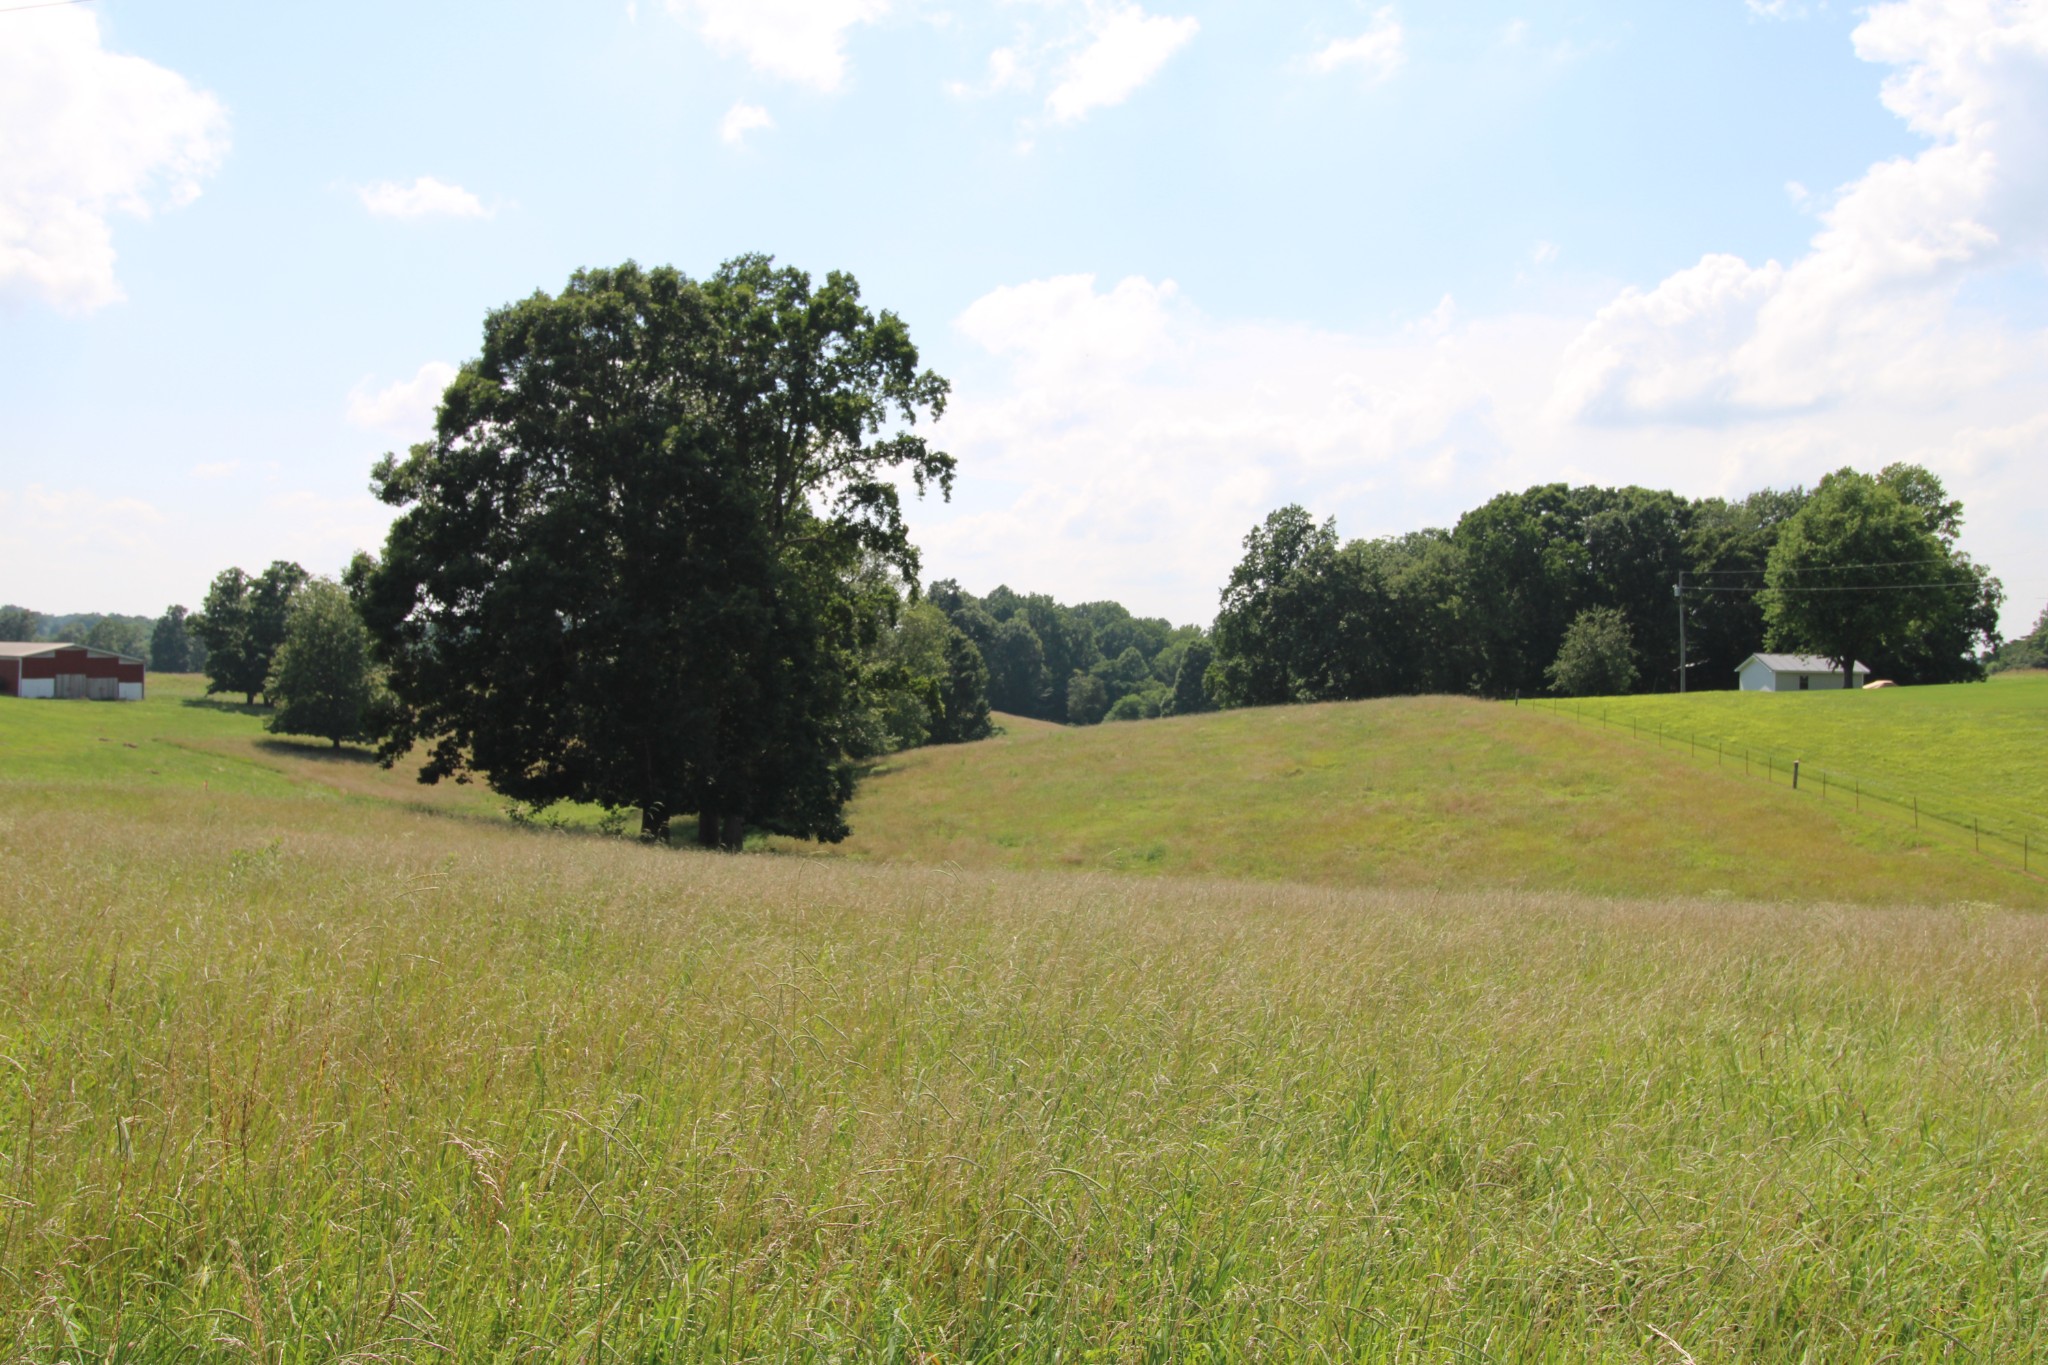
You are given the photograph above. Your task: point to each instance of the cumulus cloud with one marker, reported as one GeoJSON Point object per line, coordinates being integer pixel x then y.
{"type": "Point", "coordinates": [803, 41]}
{"type": "Point", "coordinates": [1377, 53]}
{"type": "Point", "coordinates": [741, 119]}
{"type": "Point", "coordinates": [404, 409]}
{"type": "Point", "coordinates": [425, 197]}
{"type": "Point", "coordinates": [1127, 437]}
{"type": "Point", "coordinates": [1868, 307]}
{"type": "Point", "coordinates": [85, 135]}
{"type": "Point", "coordinates": [1126, 47]}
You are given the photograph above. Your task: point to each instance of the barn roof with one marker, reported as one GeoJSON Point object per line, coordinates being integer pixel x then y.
{"type": "Point", "coordinates": [1797, 663]}
{"type": "Point", "coordinates": [32, 649]}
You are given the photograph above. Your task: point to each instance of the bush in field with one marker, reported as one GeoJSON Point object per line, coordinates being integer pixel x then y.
{"type": "Point", "coordinates": [1598, 657]}
{"type": "Point", "coordinates": [1087, 699]}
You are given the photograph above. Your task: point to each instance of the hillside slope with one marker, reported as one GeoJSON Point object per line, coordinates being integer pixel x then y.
{"type": "Point", "coordinates": [1972, 751]}
{"type": "Point", "coordinates": [1426, 791]}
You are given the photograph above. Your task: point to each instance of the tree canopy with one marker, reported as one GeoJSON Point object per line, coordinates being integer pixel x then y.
{"type": "Point", "coordinates": [1866, 571]}
{"type": "Point", "coordinates": [321, 680]}
{"type": "Point", "coordinates": [242, 623]}
{"type": "Point", "coordinates": [1035, 648]}
{"type": "Point", "coordinates": [627, 569]}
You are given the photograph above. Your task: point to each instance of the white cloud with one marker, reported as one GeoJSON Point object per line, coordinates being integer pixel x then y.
{"type": "Point", "coordinates": [1868, 308]}
{"type": "Point", "coordinates": [1117, 434]}
{"type": "Point", "coordinates": [405, 409]}
{"type": "Point", "coordinates": [86, 134]}
{"type": "Point", "coordinates": [741, 119]}
{"type": "Point", "coordinates": [1378, 52]}
{"type": "Point", "coordinates": [425, 197]}
{"type": "Point", "coordinates": [1777, 9]}
{"type": "Point", "coordinates": [1126, 48]}
{"type": "Point", "coordinates": [1543, 253]}
{"type": "Point", "coordinates": [803, 41]}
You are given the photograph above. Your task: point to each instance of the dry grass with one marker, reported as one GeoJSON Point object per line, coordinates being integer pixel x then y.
{"type": "Point", "coordinates": [298, 1080]}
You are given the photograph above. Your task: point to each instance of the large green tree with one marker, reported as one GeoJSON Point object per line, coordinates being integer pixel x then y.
{"type": "Point", "coordinates": [322, 681]}
{"type": "Point", "coordinates": [242, 623]}
{"type": "Point", "coordinates": [1863, 574]}
{"type": "Point", "coordinates": [620, 572]}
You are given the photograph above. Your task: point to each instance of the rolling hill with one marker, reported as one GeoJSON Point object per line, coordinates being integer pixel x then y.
{"type": "Point", "coordinates": [1439, 792]}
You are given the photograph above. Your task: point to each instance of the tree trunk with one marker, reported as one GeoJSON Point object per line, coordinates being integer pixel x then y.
{"type": "Point", "coordinates": [337, 744]}
{"type": "Point", "coordinates": [654, 824]}
{"type": "Point", "coordinates": [708, 826]}
{"type": "Point", "coordinates": [734, 833]}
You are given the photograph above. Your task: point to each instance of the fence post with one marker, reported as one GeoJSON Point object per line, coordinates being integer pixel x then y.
{"type": "Point", "coordinates": [1795, 774]}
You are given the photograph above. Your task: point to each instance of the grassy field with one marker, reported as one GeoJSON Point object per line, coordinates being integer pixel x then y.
{"type": "Point", "coordinates": [1972, 752]}
{"type": "Point", "coordinates": [301, 1062]}
{"type": "Point", "coordinates": [1417, 792]}
{"type": "Point", "coordinates": [295, 1080]}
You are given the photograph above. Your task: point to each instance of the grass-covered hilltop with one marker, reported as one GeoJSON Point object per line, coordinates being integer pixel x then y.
{"type": "Point", "coordinates": [1522, 1037]}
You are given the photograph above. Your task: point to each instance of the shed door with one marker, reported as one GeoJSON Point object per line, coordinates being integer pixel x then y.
{"type": "Point", "coordinates": [70, 686]}
{"type": "Point", "coordinates": [103, 689]}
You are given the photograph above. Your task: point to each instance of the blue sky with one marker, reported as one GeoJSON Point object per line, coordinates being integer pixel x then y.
{"type": "Point", "coordinates": [1183, 261]}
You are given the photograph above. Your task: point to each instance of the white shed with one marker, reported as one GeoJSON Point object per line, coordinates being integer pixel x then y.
{"type": "Point", "coordinates": [1794, 673]}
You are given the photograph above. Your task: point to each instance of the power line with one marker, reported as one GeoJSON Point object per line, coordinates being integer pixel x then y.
{"type": "Point", "coordinates": [1828, 568]}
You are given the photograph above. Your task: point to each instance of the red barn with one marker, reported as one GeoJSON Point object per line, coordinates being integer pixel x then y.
{"type": "Point", "coordinates": [37, 668]}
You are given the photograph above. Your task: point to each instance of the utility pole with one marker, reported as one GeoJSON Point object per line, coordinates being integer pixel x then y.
{"type": "Point", "coordinates": [1678, 591]}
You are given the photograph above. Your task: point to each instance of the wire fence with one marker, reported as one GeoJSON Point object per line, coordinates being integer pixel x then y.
{"type": "Point", "coordinates": [1994, 833]}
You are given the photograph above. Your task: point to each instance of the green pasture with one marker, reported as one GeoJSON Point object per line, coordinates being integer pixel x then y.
{"type": "Point", "coordinates": [302, 1062]}
{"type": "Point", "coordinates": [179, 742]}
{"type": "Point", "coordinates": [1967, 751]}
{"type": "Point", "coordinates": [1434, 792]}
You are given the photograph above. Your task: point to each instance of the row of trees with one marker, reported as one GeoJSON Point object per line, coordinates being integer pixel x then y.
{"type": "Point", "coordinates": [1573, 589]}
{"type": "Point", "coordinates": [1078, 665]}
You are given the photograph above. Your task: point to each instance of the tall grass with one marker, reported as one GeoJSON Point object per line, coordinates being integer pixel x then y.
{"type": "Point", "coordinates": [304, 1081]}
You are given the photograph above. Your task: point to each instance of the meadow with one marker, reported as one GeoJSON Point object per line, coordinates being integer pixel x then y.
{"type": "Point", "coordinates": [1966, 753]}
{"type": "Point", "coordinates": [1454, 793]}
{"type": "Point", "coordinates": [296, 1066]}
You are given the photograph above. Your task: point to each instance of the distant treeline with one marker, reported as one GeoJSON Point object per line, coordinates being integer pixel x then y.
{"type": "Point", "coordinates": [1488, 606]}
{"type": "Point", "coordinates": [1081, 664]}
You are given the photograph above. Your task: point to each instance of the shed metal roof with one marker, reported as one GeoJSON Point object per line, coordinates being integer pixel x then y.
{"type": "Point", "coordinates": [35, 649]}
{"type": "Point", "coordinates": [1797, 663]}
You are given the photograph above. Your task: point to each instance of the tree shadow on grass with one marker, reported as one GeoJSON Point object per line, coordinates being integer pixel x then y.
{"type": "Point", "coordinates": [233, 708]}
{"type": "Point", "coordinates": [318, 751]}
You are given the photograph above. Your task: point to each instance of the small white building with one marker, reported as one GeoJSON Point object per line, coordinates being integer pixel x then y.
{"type": "Point", "coordinates": [1794, 673]}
